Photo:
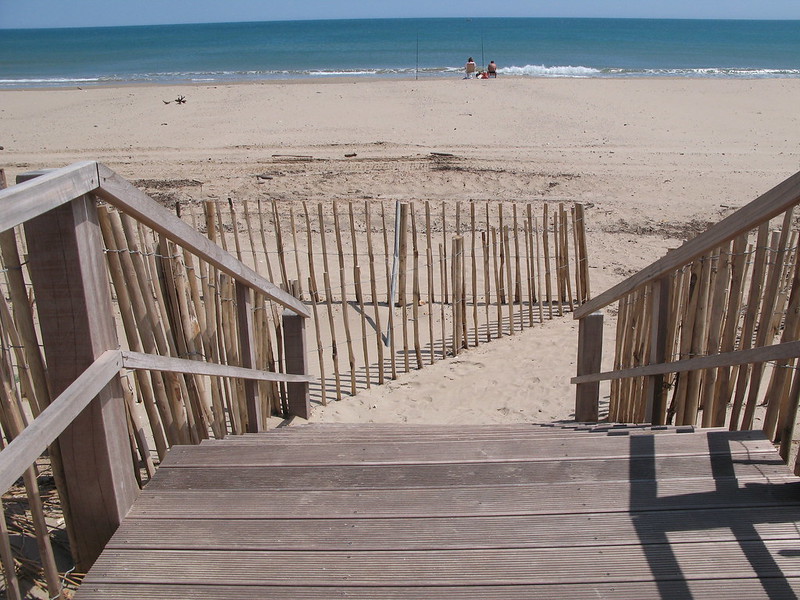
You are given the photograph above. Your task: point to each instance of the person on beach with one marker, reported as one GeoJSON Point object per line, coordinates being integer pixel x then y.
{"type": "Point", "coordinates": [492, 69]}
{"type": "Point", "coordinates": [470, 68]}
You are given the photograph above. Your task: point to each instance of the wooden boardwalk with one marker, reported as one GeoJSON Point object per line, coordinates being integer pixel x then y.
{"type": "Point", "coordinates": [471, 513]}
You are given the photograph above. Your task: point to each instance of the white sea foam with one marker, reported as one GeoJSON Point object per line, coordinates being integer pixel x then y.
{"type": "Point", "coordinates": [53, 80]}
{"type": "Point", "coordinates": [556, 71]}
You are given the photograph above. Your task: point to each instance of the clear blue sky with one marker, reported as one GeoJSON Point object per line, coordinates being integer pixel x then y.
{"type": "Point", "coordinates": [88, 13]}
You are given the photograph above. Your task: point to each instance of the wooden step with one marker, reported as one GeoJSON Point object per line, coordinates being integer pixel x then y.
{"type": "Point", "coordinates": [386, 512]}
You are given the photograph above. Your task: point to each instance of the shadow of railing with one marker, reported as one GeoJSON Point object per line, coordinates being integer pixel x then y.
{"type": "Point", "coordinates": [728, 493]}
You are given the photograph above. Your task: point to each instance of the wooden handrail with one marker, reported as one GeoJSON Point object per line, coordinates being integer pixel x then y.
{"type": "Point", "coordinates": [54, 419]}
{"type": "Point", "coordinates": [768, 205]}
{"type": "Point", "coordinates": [132, 201]}
{"type": "Point", "coordinates": [23, 450]}
{"type": "Point", "coordinates": [783, 351]}
{"type": "Point", "coordinates": [28, 200]}
{"type": "Point", "coordinates": [154, 362]}
{"type": "Point", "coordinates": [25, 201]}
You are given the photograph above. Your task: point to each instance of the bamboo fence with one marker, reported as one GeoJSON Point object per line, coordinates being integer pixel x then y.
{"type": "Point", "coordinates": [391, 288]}
{"type": "Point", "coordinates": [743, 294]}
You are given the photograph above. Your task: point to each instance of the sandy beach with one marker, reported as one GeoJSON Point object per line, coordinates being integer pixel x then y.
{"type": "Point", "coordinates": [653, 160]}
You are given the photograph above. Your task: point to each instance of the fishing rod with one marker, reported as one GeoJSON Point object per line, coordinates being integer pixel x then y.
{"type": "Point", "coordinates": [416, 73]}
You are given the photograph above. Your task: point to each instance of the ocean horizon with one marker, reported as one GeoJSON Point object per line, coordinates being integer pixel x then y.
{"type": "Point", "coordinates": [398, 48]}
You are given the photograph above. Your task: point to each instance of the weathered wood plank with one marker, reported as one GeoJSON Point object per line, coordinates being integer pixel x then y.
{"type": "Point", "coordinates": [722, 589]}
{"type": "Point", "coordinates": [457, 567]}
{"type": "Point", "coordinates": [23, 202]}
{"type": "Point", "coordinates": [73, 298]}
{"type": "Point", "coordinates": [153, 362]}
{"type": "Point", "coordinates": [388, 437]}
{"type": "Point", "coordinates": [446, 514]}
{"type": "Point", "coordinates": [782, 351]}
{"type": "Point", "coordinates": [520, 499]}
{"type": "Point", "coordinates": [461, 533]}
{"type": "Point", "coordinates": [590, 355]}
{"type": "Point", "coordinates": [34, 439]}
{"type": "Point", "coordinates": [274, 453]}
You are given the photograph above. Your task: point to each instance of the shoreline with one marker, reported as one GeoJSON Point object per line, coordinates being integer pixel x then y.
{"type": "Point", "coordinates": [347, 79]}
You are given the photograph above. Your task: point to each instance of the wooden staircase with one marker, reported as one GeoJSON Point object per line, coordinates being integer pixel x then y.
{"type": "Point", "coordinates": [495, 512]}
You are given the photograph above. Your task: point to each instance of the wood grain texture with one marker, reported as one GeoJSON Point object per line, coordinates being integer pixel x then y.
{"type": "Point", "coordinates": [52, 188]}
{"type": "Point", "coordinates": [717, 588]}
{"type": "Point", "coordinates": [786, 350]}
{"type": "Point", "coordinates": [438, 512]}
{"type": "Point", "coordinates": [34, 439]}
{"type": "Point", "coordinates": [69, 276]}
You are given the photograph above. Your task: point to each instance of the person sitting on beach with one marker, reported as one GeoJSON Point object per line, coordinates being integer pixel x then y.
{"type": "Point", "coordinates": [492, 69]}
{"type": "Point", "coordinates": [470, 68]}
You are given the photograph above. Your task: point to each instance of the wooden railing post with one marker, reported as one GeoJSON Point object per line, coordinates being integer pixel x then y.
{"type": "Point", "coordinates": [73, 300]}
{"type": "Point", "coordinates": [244, 314]}
{"type": "Point", "coordinates": [656, 399]}
{"type": "Point", "coordinates": [295, 349]}
{"type": "Point", "coordinates": [590, 354]}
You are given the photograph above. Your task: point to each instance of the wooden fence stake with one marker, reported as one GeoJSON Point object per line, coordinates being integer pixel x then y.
{"type": "Point", "coordinates": [363, 312]}
{"type": "Point", "coordinates": [279, 241]}
{"type": "Point", "coordinates": [698, 343]}
{"type": "Point", "coordinates": [429, 271]}
{"type": "Point", "coordinates": [717, 305]}
{"type": "Point", "coordinates": [443, 275]}
{"type": "Point", "coordinates": [334, 345]}
{"type": "Point", "coordinates": [565, 256]}
{"type": "Point", "coordinates": [390, 300]}
{"type": "Point", "coordinates": [415, 294]}
{"type": "Point", "coordinates": [264, 246]}
{"type": "Point", "coordinates": [506, 242]}
{"type": "Point", "coordinates": [374, 292]}
{"type": "Point", "coordinates": [474, 274]}
{"type": "Point", "coordinates": [764, 331]}
{"type": "Point", "coordinates": [558, 262]}
{"type": "Point", "coordinates": [583, 254]}
{"type": "Point", "coordinates": [517, 270]}
{"type": "Point", "coordinates": [529, 269]}
{"type": "Point", "coordinates": [299, 294]}
{"type": "Point", "coordinates": [402, 299]}
{"type": "Point", "coordinates": [314, 293]}
{"type": "Point", "coordinates": [345, 304]}
{"type": "Point", "coordinates": [738, 270]}
{"type": "Point", "coordinates": [456, 263]}
{"type": "Point", "coordinates": [746, 334]}
{"type": "Point", "coordinates": [443, 257]}
{"type": "Point", "coordinates": [546, 256]}
{"type": "Point", "coordinates": [540, 294]}
{"type": "Point", "coordinates": [498, 285]}
{"type": "Point", "coordinates": [7, 558]}
{"type": "Point", "coordinates": [247, 357]}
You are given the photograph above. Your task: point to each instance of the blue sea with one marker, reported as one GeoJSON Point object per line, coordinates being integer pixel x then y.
{"type": "Point", "coordinates": [375, 48]}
